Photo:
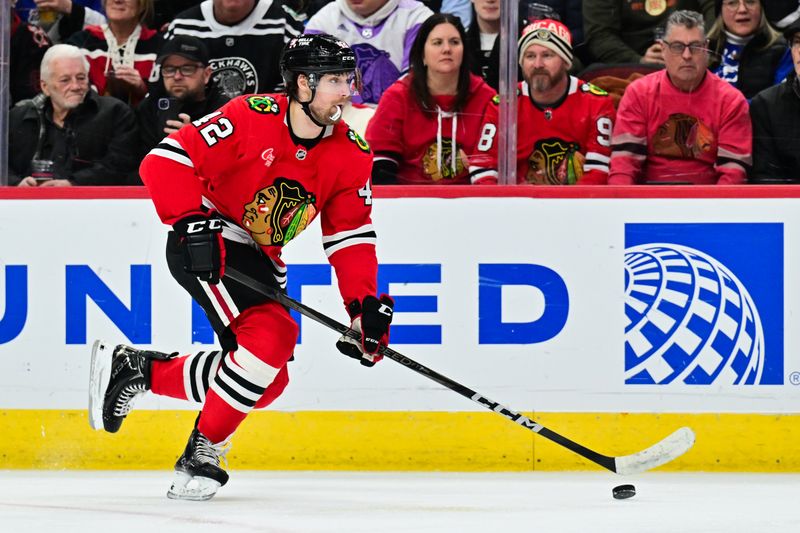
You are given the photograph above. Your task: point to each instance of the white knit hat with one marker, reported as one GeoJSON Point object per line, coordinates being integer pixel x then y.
{"type": "Point", "coordinates": [549, 33]}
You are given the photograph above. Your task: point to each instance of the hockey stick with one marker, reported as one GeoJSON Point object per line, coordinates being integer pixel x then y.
{"type": "Point", "coordinates": [662, 452]}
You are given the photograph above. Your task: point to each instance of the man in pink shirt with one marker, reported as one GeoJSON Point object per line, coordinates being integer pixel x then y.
{"type": "Point", "coordinates": [683, 124]}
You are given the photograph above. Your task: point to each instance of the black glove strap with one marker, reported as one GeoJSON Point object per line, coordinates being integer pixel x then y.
{"type": "Point", "coordinates": [199, 251]}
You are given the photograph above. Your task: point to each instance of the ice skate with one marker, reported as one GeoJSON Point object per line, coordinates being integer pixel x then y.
{"type": "Point", "coordinates": [117, 378]}
{"type": "Point", "coordinates": [198, 474]}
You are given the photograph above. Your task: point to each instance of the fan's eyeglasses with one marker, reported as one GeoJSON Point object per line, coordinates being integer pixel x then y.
{"type": "Point", "coordinates": [185, 70]}
{"type": "Point", "coordinates": [678, 48]}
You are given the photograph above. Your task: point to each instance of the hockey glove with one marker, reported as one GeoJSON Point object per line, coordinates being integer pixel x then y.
{"type": "Point", "coordinates": [200, 239]}
{"type": "Point", "coordinates": [371, 318]}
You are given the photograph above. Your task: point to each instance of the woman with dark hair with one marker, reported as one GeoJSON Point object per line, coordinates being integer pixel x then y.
{"type": "Point", "coordinates": [748, 52]}
{"type": "Point", "coordinates": [427, 124]}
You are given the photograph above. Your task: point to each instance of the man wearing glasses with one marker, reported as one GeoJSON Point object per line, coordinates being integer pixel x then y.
{"type": "Point", "coordinates": [182, 94]}
{"type": "Point", "coordinates": [776, 128]}
{"type": "Point", "coordinates": [681, 125]}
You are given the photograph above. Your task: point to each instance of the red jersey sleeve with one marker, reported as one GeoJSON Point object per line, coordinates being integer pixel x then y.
{"type": "Point", "coordinates": [735, 147]}
{"type": "Point", "coordinates": [348, 236]}
{"type": "Point", "coordinates": [598, 143]}
{"type": "Point", "coordinates": [629, 140]}
{"type": "Point", "coordinates": [483, 164]}
{"type": "Point", "coordinates": [173, 171]}
{"type": "Point", "coordinates": [385, 129]}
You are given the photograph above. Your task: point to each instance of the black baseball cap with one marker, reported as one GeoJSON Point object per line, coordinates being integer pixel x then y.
{"type": "Point", "coordinates": [186, 46]}
{"type": "Point", "coordinates": [791, 29]}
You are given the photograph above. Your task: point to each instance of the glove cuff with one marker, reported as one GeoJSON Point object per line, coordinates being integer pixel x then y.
{"type": "Point", "coordinates": [198, 218]}
{"type": "Point", "coordinates": [354, 309]}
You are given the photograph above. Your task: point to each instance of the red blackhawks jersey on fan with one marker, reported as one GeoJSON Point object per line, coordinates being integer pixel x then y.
{"type": "Point", "coordinates": [429, 147]}
{"type": "Point", "coordinates": [242, 161]}
{"type": "Point", "coordinates": [565, 143]}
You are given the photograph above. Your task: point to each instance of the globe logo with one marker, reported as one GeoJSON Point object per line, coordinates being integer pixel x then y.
{"type": "Point", "coordinates": [688, 319]}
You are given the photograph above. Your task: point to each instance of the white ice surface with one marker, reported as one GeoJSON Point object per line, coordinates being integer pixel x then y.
{"type": "Point", "coordinates": [308, 502]}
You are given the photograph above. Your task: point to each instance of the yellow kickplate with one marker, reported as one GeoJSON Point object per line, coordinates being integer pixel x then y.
{"type": "Point", "coordinates": [459, 441]}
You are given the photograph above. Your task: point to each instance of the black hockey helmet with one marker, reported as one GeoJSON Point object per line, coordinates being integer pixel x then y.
{"type": "Point", "coordinates": [316, 54]}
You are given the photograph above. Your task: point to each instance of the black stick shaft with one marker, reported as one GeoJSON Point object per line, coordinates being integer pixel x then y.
{"type": "Point", "coordinates": [518, 418]}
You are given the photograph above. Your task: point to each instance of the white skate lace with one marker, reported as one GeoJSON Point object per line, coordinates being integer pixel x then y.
{"type": "Point", "coordinates": [127, 398]}
{"type": "Point", "coordinates": [206, 452]}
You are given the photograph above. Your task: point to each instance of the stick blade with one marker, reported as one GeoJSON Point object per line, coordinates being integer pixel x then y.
{"type": "Point", "coordinates": [660, 453]}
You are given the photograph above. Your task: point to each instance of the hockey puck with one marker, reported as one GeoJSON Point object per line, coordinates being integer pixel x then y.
{"type": "Point", "coordinates": [623, 492]}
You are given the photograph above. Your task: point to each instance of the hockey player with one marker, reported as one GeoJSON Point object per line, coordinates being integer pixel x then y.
{"type": "Point", "coordinates": [237, 187]}
{"type": "Point", "coordinates": [564, 124]}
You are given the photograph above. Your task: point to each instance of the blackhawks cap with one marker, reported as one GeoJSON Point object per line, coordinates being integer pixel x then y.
{"type": "Point", "coordinates": [549, 33]}
{"type": "Point", "coordinates": [186, 46]}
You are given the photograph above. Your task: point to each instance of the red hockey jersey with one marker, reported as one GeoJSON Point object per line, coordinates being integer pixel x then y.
{"type": "Point", "coordinates": [664, 135]}
{"type": "Point", "coordinates": [566, 143]}
{"type": "Point", "coordinates": [429, 147]}
{"type": "Point", "coordinates": [242, 161]}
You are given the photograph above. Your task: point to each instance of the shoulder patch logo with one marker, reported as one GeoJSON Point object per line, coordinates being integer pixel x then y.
{"type": "Point", "coordinates": [496, 99]}
{"type": "Point", "coordinates": [360, 142]}
{"type": "Point", "coordinates": [593, 89]}
{"type": "Point", "coordinates": [263, 104]}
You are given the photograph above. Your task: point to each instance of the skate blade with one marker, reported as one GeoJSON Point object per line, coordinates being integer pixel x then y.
{"type": "Point", "coordinates": [99, 376]}
{"type": "Point", "coordinates": [192, 488]}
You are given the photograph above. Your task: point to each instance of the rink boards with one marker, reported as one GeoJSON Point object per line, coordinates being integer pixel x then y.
{"type": "Point", "coordinates": [612, 319]}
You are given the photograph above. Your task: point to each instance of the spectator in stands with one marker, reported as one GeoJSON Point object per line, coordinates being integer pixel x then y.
{"type": "Point", "coordinates": [69, 135]}
{"type": "Point", "coordinates": [621, 31]}
{"type": "Point", "coordinates": [747, 52]}
{"type": "Point", "coordinates": [682, 124]}
{"type": "Point", "coordinates": [776, 127]}
{"type": "Point", "coordinates": [483, 41]}
{"type": "Point", "coordinates": [381, 33]}
{"type": "Point", "coordinates": [28, 45]}
{"type": "Point", "coordinates": [427, 124]}
{"type": "Point", "coordinates": [122, 52]}
{"type": "Point", "coordinates": [244, 39]}
{"type": "Point", "coordinates": [483, 36]}
{"type": "Point", "coordinates": [183, 94]}
{"type": "Point", "coordinates": [563, 124]}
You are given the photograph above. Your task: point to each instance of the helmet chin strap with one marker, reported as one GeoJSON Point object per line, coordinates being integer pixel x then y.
{"type": "Point", "coordinates": [307, 110]}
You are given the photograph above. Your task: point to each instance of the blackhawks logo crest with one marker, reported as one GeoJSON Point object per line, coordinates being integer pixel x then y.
{"type": "Point", "coordinates": [555, 162]}
{"type": "Point", "coordinates": [278, 213]}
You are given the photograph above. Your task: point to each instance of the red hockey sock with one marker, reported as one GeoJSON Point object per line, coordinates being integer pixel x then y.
{"type": "Point", "coordinates": [166, 378]}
